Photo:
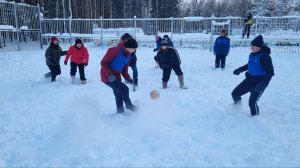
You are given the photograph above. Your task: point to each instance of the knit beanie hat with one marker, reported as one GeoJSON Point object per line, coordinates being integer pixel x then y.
{"type": "Point", "coordinates": [78, 41]}
{"type": "Point", "coordinates": [164, 43]}
{"type": "Point", "coordinates": [166, 36]}
{"type": "Point", "coordinates": [258, 41]}
{"type": "Point", "coordinates": [131, 43]}
{"type": "Point", "coordinates": [126, 36]}
{"type": "Point", "coordinates": [223, 31]}
{"type": "Point", "coordinates": [53, 39]}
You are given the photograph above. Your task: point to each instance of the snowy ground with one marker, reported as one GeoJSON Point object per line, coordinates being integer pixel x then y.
{"type": "Point", "coordinates": [60, 124]}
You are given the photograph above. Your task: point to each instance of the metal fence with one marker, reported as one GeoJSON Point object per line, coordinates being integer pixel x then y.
{"type": "Point", "coordinates": [190, 32]}
{"type": "Point", "coordinates": [23, 27]}
{"type": "Point", "coordinates": [19, 26]}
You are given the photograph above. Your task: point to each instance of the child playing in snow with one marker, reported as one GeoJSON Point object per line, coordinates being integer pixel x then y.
{"type": "Point", "coordinates": [79, 58]}
{"type": "Point", "coordinates": [158, 40]}
{"type": "Point", "coordinates": [259, 73]}
{"type": "Point", "coordinates": [221, 49]}
{"type": "Point", "coordinates": [169, 59]}
{"type": "Point", "coordinates": [53, 54]}
{"type": "Point", "coordinates": [114, 63]}
{"type": "Point", "coordinates": [133, 60]}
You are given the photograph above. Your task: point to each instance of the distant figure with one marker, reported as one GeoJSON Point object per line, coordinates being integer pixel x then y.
{"type": "Point", "coordinates": [259, 73]}
{"type": "Point", "coordinates": [170, 43]}
{"type": "Point", "coordinates": [247, 25]}
{"type": "Point", "coordinates": [132, 63]}
{"type": "Point", "coordinates": [158, 40]}
{"type": "Point", "coordinates": [53, 54]}
{"type": "Point", "coordinates": [221, 49]}
{"type": "Point", "coordinates": [79, 58]}
{"type": "Point", "coordinates": [169, 60]}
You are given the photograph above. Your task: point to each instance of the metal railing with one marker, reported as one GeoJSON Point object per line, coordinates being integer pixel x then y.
{"type": "Point", "coordinates": [188, 32]}
{"type": "Point", "coordinates": [19, 26]}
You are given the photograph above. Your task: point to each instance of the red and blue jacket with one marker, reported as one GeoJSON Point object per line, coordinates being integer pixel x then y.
{"type": "Point", "coordinates": [116, 62]}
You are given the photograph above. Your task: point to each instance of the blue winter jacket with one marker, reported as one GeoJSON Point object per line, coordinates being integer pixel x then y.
{"type": "Point", "coordinates": [158, 44]}
{"type": "Point", "coordinates": [222, 46]}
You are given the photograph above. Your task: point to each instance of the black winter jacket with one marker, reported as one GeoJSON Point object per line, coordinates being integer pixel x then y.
{"type": "Point", "coordinates": [53, 54]}
{"type": "Point", "coordinates": [168, 57]}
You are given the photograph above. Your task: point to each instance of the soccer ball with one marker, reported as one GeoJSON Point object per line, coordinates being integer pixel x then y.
{"type": "Point", "coordinates": [154, 94]}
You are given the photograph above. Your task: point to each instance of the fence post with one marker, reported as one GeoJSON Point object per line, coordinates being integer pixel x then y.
{"type": "Point", "coordinates": [229, 25]}
{"type": "Point", "coordinates": [172, 28]}
{"type": "Point", "coordinates": [40, 20]}
{"type": "Point", "coordinates": [70, 29]}
{"type": "Point", "coordinates": [17, 25]}
{"type": "Point", "coordinates": [101, 26]}
{"type": "Point", "coordinates": [256, 24]}
{"type": "Point", "coordinates": [211, 32]}
{"type": "Point", "coordinates": [135, 27]}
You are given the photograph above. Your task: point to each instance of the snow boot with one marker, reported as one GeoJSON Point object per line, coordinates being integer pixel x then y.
{"type": "Point", "coordinates": [181, 83]}
{"type": "Point", "coordinates": [83, 82]}
{"type": "Point", "coordinates": [48, 75]}
{"type": "Point", "coordinates": [120, 109]}
{"type": "Point", "coordinates": [72, 79]}
{"type": "Point", "coordinates": [165, 85]}
{"type": "Point", "coordinates": [131, 107]}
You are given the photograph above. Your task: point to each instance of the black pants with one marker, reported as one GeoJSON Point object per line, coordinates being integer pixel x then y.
{"type": "Point", "coordinates": [121, 92]}
{"type": "Point", "coordinates": [222, 59]}
{"type": "Point", "coordinates": [167, 72]}
{"type": "Point", "coordinates": [55, 70]}
{"type": "Point", "coordinates": [243, 88]}
{"type": "Point", "coordinates": [74, 70]}
{"type": "Point", "coordinates": [247, 30]}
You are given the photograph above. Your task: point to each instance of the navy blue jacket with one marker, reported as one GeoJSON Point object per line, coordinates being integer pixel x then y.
{"type": "Point", "coordinates": [170, 43]}
{"type": "Point", "coordinates": [222, 46]}
{"type": "Point", "coordinates": [133, 59]}
{"type": "Point", "coordinates": [158, 44]}
{"type": "Point", "coordinates": [167, 58]}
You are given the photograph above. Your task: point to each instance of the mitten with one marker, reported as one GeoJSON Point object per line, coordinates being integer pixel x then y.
{"type": "Point", "coordinates": [236, 72]}
{"type": "Point", "coordinates": [111, 78]}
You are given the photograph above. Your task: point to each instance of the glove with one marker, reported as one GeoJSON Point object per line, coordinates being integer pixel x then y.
{"type": "Point", "coordinates": [130, 81]}
{"type": "Point", "coordinates": [111, 78]}
{"type": "Point", "coordinates": [65, 62]}
{"type": "Point", "coordinates": [63, 53]}
{"type": "Point", "coordinates": [236, 72]}
{"type": "Point", "coordinates": [86, 64]}
{"type": "Point", "coordinates": [155, 49]}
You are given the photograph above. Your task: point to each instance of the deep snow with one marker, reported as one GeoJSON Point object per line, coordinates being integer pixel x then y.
{"type": "Point", "coordinates": [60, 124]}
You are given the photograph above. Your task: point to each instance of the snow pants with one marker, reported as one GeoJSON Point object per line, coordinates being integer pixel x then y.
{"type": "Point", "coordinates": [243, 88]}
{"type": "Point", "coordinates": [121, 92]}
{"type": "Point", "coordinates": [74, 70]}
{"type": "Point", "coordinates": [167, 71]}
{"type": "Point", "coordinates": [222, 59]}
{"type": "Point", "coordinates": [55, 70]}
